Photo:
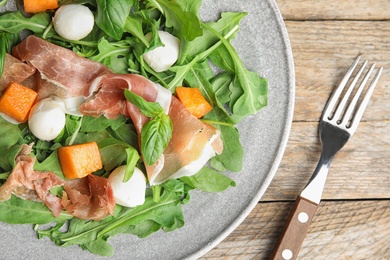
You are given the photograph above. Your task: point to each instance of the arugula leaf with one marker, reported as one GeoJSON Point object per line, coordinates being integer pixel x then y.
{"type": "Point", "coordinates": [113, 56]}
{"type": "Point", "coordinates": [113, 152]}
{"type": "Point", "coordinates": [134, 25]}
{"type": "Point", "coordinates": [226, 25]}
{"type": "Point", "coordinates": [15, 22]}
{"type": "Point", "coordinates": [209, 180]}
{"type": "Point", "coordinates": [7, 162]}
{"type": "Point", "coordinates": [10, 131]}
{"type": "Point", "coordinates": [131, 162]}
{"type": "Point", "coordinates": [52, 163]}
{"type": "Point", "coordinates": [19, 211]}
{"type": "Point", "coordinates": [96, 124]}
{"type": "Point", "coordinates": [99, 247]}
{"type": "Point", "coordinates": [185, 24]}
{"type": "Point", "coordinates": [111, 16]}
{"type": "Point", "coordinates": [248, 90]}
{"type": "Point", "coordinates": [90, 235]}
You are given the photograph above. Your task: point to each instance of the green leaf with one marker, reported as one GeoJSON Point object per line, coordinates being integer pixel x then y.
{"type": "Point", "coordinates": [113, 152]}
{"type": "Point", "coordinates": [10, 131]}
{"type": "Point", "coordinates": [52, 163]}
{"type": "Point", "coordinates": [233, 153]}
{"type": "Point", "coordinates": [248, 90]}
{"type": "Point", "coordinates": [111, 16]}
{"type": "Point", "coordinates": [166, 214]}
{"type": "Point", "coordinates": [226, 25]}
{"type": "Point", "coordinates": [99, 247]}
{"type": "Point", "coordinates": [15, 22]}
{"type": "Point", "coordinates": [113, 56]}
{"type": "Point", "coordinates": [125, 133]}
{"type": "Point", "coordinates": [131, 162]}
{"type": "Point", "coordinates": [134, 25]}
{"type": "Point", "coordinates": [155, 136]}
{"type": "Point", "coordinates": [209, 180]}
{"type": "Point", "coordinates": [185, 23]}
{"type": "Point", "coordinates": [19, 211]}
{"type": "Point", "coordinates": [7, 162]}
{"type": "Point", "coordinates": [96, 124]}
{"type": "Point", "coordinates": [149, 109]}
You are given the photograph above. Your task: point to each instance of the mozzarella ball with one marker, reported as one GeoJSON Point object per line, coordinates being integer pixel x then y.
{"type": "Point", "coordinates": [73, 22]}
{"type": "Point", "coordinates": [163, 57]}
{"type": "Point", "coordinates": [47, 118]}
{"type": "Point", "coordinates": [130, 193]}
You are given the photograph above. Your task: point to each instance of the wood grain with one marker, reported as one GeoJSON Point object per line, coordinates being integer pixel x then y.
{"type": "Point", "coordinates": [365, 225]}
{"type": "Point", "coordinates": [334, 9]}
{"type": "Point", "coordinates": [354, 220]}
{"type": "Point", "coordinates": [323, 53]}
{"type": "Point", "coordinates": [360, 170]}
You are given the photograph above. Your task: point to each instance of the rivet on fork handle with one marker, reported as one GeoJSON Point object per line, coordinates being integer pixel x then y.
{"type": "Point", "coordinates": [335, 129]}
{"type": "Point", "coordinates": [295, 231]}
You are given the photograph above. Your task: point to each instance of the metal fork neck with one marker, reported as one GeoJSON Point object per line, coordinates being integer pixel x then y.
{"type": "Point", "coordinates": [314, 188]}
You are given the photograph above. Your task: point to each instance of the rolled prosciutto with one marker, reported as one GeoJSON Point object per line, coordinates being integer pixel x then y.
{"type": "Point", "coordinates": [28, 184]}
{"type": "Point", "coordinates": [193, 142]}
{"type": "Point", "coordinates": [14, 71]}
{"type": "Point", "coordinates": [60, 66]}
{"type": "Point", "coordinates": [90, 197]}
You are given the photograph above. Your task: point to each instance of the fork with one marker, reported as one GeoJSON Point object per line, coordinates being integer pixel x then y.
{"type": "Point", "coordinates": [339, 121]}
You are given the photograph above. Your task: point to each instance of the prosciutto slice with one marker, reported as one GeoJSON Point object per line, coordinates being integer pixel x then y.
{"type": "Point", "coordinates": [60, 66]}
{"type": "Point", "coordinates": [28, 184]}
{"type": "Point", "coordinates": [90, 197]}
{"type": "Point", "coordinates": [193, 142]}
{"type": "Point", "coordinates": [14, 71]}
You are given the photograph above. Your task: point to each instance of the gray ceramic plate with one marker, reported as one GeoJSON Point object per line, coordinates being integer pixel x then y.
{"type": "Point", "coordinates": [264, 46]}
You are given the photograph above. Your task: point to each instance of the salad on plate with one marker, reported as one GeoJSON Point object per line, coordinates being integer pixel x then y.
{"type": "Point", "coordinates": [113, 111]}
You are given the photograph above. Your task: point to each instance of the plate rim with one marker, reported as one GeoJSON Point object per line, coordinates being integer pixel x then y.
{"type": "Point", "coordinates": [282, 145]}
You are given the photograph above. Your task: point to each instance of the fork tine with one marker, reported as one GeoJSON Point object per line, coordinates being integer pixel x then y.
{"type": "Point", "coordinates": [362, 107]}
{"type": "Point", "coordinates": [343, 102]}
{"type": "Point", "coordinates": [336, 94]}
{"type": "Point", "coordinates": [352, 105]}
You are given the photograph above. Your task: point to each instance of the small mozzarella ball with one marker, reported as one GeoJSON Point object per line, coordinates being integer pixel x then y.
{"type": "Point", "coordinates": [163, 57]}
{"type": "Point", "coordinates": [73, 21]}
{"type": "Point", "coordinates": [47, 118]}
{"type": "Point", "coordinates": [130, 193]}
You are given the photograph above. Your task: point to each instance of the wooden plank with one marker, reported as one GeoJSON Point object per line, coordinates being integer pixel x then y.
{"type": "Point", "coordinates": [360, 170]}
{"type": "Point", "coordinates": [323, 53]}
{"type": "Point", "coordinates": [365, 224]}
{"type": "Point", "coordinates": [334, 9]}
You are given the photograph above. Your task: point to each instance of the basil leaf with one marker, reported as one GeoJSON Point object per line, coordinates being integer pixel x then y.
{"type": "Point", "coordinates": [111, 16]}
{"type": "Point", "coordinates": [149, 109]}
{"type": "Point", "coordinates": [155, 136]}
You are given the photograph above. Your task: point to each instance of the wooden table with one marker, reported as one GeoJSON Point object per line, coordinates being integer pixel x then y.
{"type": "Point", "coordinates": [353, 220]}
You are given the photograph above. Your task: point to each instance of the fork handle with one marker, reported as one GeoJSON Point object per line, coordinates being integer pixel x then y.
{"type": "Point", "coordinates": [294, 232]}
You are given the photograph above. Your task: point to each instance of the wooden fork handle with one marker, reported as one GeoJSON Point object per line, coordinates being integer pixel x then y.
{"type": "Point", "coordinates": [294, 232]}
